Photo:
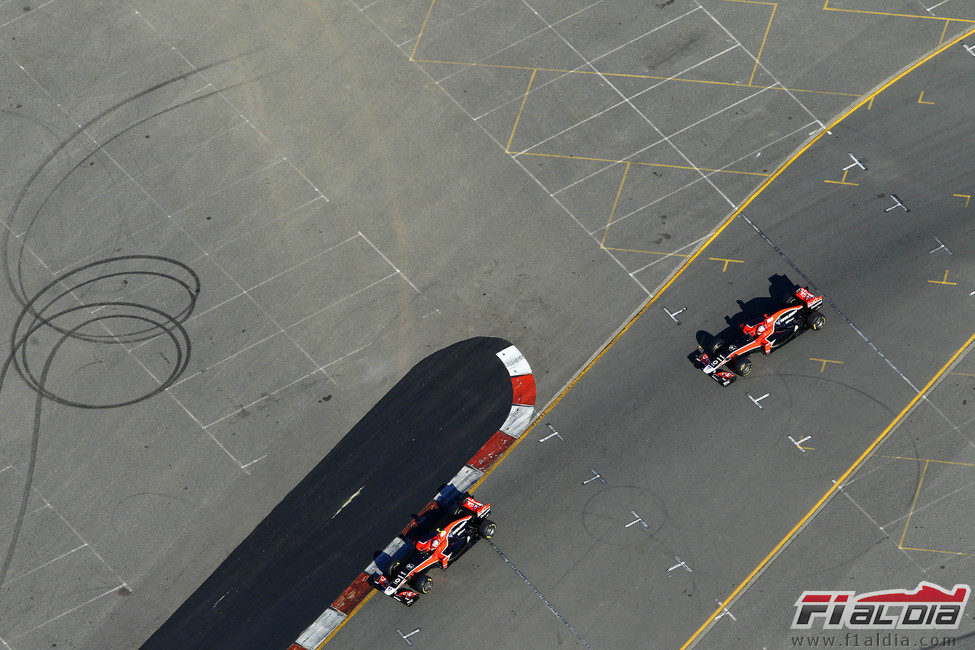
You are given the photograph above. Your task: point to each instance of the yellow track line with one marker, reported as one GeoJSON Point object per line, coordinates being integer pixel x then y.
{"type": "Point", "coordinates": [932, 550]}
{"type": "Point", "coordinates": [795, 529]}
{"type": "Point", "coordinates": [836, 484]}
{"type": "Point", "coordinates": [645, 164]}
{"type": "Point", "coordinates": [932, 460]}
{"type": "Point", "coordinates": [885, 13]}
{"type": "Point", "coordinates": [758, 57]}
{"type": "Point", "coordinates": [631, 250]}
{"type": "Point", "coordinates": [943, 32]}
{"type": "Point", "coordinates": [910, 513]}
{"type": "Point", "coordinates": [764, 38]}
{"type": "Point", "coordinates": [422, 27]}
{"type": "Point", "coordinates": [626, 171]}
{"type": "Point", "coordinates": [507, 148]}
{"type": "Point", "coordinates": [634, 76]}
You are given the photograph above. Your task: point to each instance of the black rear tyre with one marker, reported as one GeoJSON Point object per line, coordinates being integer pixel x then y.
{"type": "Point", "coordinates": [790, 300]}
{"type": "Point", "coordinates": [815, 320]}
{"type": "Point", "coordinates": [740, 366]}
{"type": "Point", "coordinates": [486, 529]}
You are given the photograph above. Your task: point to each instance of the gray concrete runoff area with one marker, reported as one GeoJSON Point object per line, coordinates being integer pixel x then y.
{"type": "Point", "coordinates": [230, 229]}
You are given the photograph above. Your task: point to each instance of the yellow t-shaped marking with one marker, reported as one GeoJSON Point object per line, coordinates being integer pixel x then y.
{"type": "Point", "coordinates": [945, 281]}
{"type": "Point", "coordinates": [726, 261]}
{"type": "Point", "coordinates": [843, 180]}
{"type": "Point", "coordinates": [825, 361]}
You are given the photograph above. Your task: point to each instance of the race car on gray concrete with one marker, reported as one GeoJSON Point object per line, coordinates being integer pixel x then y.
{"type": "Point", "coordinates": [724, 362]}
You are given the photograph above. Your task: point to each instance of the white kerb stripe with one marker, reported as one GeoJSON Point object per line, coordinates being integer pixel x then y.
{"type": "Point", "coordinates": [389, 551]}
{"type": "Point", "coordinates": [465, 478]}
{"type": "Point", "coordinates": [518, 420]}
{"type": "Point", "coordinates": [514, 361]}
{"type": "Point", "coordinates": [317, 631]}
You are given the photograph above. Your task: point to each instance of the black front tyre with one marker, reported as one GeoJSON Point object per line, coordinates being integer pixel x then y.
{"type": "Point", "coordinates": [740, 366]}
{"type": "Point", "coordinates": [486, 529]}
{"type": "Point", "coordinates": [714, 346]}
{"type": "Point", "coordinates": [815, 321]}
{"type": "Point", "coordinates": [423, 584]}
{"type": "Point", "coordinates": [393, 569]}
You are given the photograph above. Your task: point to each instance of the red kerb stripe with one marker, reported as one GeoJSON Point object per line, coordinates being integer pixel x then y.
{"type": "Point", "coordinates": [491, 451]}
{"type": "Point", "coordinates": [353, 594]}
{"type": "Point", "coordinates": [524, 387]}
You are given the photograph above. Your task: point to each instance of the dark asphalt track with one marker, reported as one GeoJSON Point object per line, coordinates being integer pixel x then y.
{"type": "Point", "coordinates": [303, 555]}
{"type": "Point", "coordinates": [718, 481]}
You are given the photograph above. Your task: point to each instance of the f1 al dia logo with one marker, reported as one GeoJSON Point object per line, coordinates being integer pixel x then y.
{"type": "Point", "coordinates": [929, 607]}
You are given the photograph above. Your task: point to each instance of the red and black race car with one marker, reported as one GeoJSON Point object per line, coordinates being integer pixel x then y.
{"type": "Point", "coordinates": [405, 579]}
{"type": "Point", "coordinates": [799, 312]}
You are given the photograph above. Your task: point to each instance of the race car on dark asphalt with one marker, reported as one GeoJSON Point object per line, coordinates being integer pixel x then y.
{"type": "Point", "coordinates": [406, 579]}
{"type": "Point", "coordinates": [723, 361]}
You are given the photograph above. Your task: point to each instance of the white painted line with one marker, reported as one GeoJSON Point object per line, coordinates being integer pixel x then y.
{"type": "Point", "coordinates": [661, 258]}
{"type": "Point", "coordinates": [601, 56]}
{"type": "Point", "coordinates": [73, 609]}
{"type": "Point", "coordinates": [40, 6]}
{"type": "Point", "coordinates": [430, 26]}
{"type": "Point", "coordinates": [37, 568]}
{"type": "Point", "coordinates": [510, 45]}
{"type": "Point", "coordinates": [246, 291]}
{"type": "Point", "coordinates": [855, 163]}
{"type": "Point", "coordinates": [226, 187]}
{"type": "Point", "coordinates": [680, 564]}
{"type": "Point", "coordinates": [259, 399]}
{"type": "Point", "coordinates": [519, 163]}
{"type": "Point", "coordinates": [725, 612]}
{"type": "Point", "coordinates": [761, 65]}
{"type": "Point", "coordinates": [281, 330]}
{"type": "Point", "coordinates": [637, 520]}
{"type": "Point", "coordinates": [693, 182]}
{"type": "Point", "coordinates": [538, 593]}
{"type": "Point", "coordinates": [554, 433]}
{"type": "Point", "coordinates": [595, 477]}
{"type": "Point", "coordinates": [627, 99]}
{"type": "Point", "coordinates": [756, 400]}
{"type": "Point", "coordinates": [666, 138]}
{"type": "Point", "coordinates": [897, 204]}
{"type": "Point", "coordinates": [395, 268]}
{"type": "Point", "coordinates": [798, 443]}
{"type": "Point", "coordinates": [674, 315]}
{"type": "Point", "coordinates": [940, 247]}
{"type": "Point", "coordinates": [406, 637]}
{"type": "Point", "coordinates": [347, 502]}
{"type": "Point", "coordinates": [256, 460]}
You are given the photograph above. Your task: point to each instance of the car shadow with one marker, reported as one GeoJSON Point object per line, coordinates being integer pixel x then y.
{"type": "Point", "coordinates": [750, 311]}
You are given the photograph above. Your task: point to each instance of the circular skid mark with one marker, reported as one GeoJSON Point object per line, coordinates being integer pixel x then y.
{"type": "Point", "coordinates": [58, 315]}
{"type": "Point", "coordinates": [607, 512]}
